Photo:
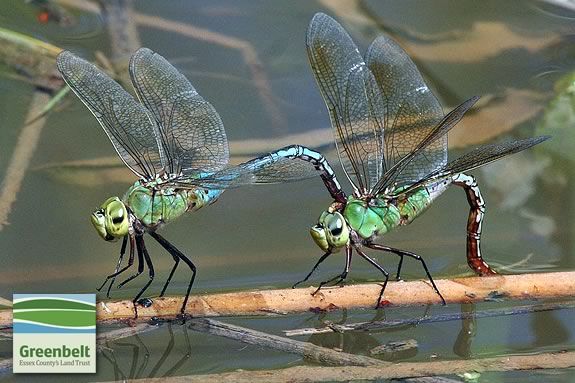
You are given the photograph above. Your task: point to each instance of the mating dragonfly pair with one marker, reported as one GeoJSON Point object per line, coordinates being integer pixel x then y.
{"type": "Point", "coordinates": [390, 133]}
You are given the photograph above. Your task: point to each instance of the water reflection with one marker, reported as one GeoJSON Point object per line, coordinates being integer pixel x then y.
{"type": "Point", "coordinates": [168, 364]}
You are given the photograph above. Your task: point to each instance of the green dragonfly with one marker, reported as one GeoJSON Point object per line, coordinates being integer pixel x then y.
{"type": "Point", "coordinates": [391, 136]}
{"type": "Point", "coordinates": [175, 142]}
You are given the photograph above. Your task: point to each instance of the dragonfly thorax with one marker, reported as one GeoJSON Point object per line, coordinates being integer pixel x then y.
{"type": "Point", "coordinates": [154, 203]}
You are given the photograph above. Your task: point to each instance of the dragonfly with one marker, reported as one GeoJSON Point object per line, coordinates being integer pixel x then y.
{"type": "Point", "coordinates": [175, 143]}
{"type": "Point", "coordinates": [391, 136]}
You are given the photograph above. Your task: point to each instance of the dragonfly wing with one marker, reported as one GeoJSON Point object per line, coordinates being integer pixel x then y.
{"type": "Point", "coordinates": [487, 153]}
{"type": "Point", "coordinates": [192, 132]}
{"type": "Point", "coordinates": [334, 58]}
{"type": "Point", "coordinates": [125, 121]}
{"type": "Point", "coordinates": [411, 110]}
{"type": "Point", "coordinates": [421, 152]}
{"type": "Point", "coordinates": [363, 126]}
{"type": "Point", "coordinates": [480, 156]}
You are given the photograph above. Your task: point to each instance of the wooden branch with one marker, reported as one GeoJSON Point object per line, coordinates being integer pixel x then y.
{"type": "Point", "coordinates": [551, 360]}
{"type": "Point", "coordinates": [277, 302]}
{"type": "Point", "coordinates": [308, 351]}
{"type": "Point", "coordinates": [386, 324]}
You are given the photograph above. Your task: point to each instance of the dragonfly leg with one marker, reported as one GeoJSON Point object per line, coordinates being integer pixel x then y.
{"type": "Point", "coordinates": [176, 262]}
{"type": "Point", "coordinates": [120, 259]}
{"type": "Point", "coordinates": [401, 253]}
{"type": "Point", "coordinates": [340, 278]}
{"type": "Point", "coordinates": [140, 266]}
{"type": "Point", "coordinates": [383, 271]}
{"type": "Point", "coordinates": [119, 271]}
{"type": "Point", "coordinates": [177, 253]}
{"type": "Point", "coordinates": [474, 223]}
{"type": "Point", "coordinates": [142, 251]}
{"type": "Point", "coordinates": [323, 257]}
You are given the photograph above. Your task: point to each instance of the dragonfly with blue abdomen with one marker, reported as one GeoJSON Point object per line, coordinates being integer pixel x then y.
{"type": "Point", "coordinates": [175, 142]}
{"type": "Point", "coordinates": [391, 137]}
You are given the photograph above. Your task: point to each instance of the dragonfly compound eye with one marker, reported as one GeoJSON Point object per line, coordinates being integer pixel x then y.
{"type": "Point", "coordinates": [111, 220]}
{"type": "Point", "coordinates": [337, 232]}
{"type": "Point", "coordinates": [331, 232]}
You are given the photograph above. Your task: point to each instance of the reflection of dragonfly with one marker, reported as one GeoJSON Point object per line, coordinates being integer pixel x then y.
{"type": "Point", "coordinates": [391, 137]}
{"type": "Point", "coordinates": [175, 142]}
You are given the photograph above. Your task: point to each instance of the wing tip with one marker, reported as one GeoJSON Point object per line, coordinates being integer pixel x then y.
{"type": "Point", "coordinates": [63, 58]}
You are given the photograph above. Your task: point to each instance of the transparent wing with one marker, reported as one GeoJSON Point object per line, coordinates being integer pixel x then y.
{"type": "Point", "coordinates": [192, 133]}
{"type": "Point", "coordinates": [487, 153]}
{"type": "Point", "coordinates": [288, 164]}
{"type": "Point", "coordinates": [421, 152]}
{"type": "Point", "coordinates": [411, 111]}
{"type": "Point", "coordinates": [480, 156]}
{"type": "Point", "coordinates": [125, 121]}
{"type": "Point", "coordinates": [336, 64]}
{"type": "Point", "coordinates": [362, 127]}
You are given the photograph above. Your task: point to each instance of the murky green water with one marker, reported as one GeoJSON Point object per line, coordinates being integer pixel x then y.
{"type": "Point", "coordinates": [255, 73]}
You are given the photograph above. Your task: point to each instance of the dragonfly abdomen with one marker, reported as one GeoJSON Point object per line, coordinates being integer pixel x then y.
{"type": "Point", "coordinates": [162, 205]}
{"type": "Point", "coordinates": [415, 202]}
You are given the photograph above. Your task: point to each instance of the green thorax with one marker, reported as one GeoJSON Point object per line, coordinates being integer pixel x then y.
{"type": "Point", "coordinates": [154, 205]}
{"type": "Point", "coordinates": [381, 215]}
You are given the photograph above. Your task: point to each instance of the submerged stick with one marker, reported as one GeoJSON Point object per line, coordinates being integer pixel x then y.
{"type": "Point", "coordinates": [278, 302]}
{"type": "Point", "coordinates": [309, 351]}
{"type": "Point", "coordinates": [386, 324]}
{"type": "Point", "coordinates": [549, 360]}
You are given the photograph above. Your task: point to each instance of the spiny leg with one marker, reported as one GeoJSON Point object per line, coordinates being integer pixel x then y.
{"type": "Point", "coordinates": [120, 259]}
{"type": "Point", "coordinates": [141, 247]}
{"type": "Point", "coordinates": [323, 257]}
{"type": "Point", "coordinates": [120, 271]}
{"type": "Point", "coordinates": [474, 223]}
{"type": "Point", "coordinates": [140, 264]}
{"type": "Point", "coordinates": [341, 277]}
{"type": "Point", "coordinates": [383, 271]}
{"type": "Point", "coordinates": [176, 262]}
{"type": "Point", "coordinates": [177, 253]}
{"type": "Point", "coordinates": [401, 253]}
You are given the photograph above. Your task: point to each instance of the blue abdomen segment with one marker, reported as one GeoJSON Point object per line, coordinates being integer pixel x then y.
{"type": "Point", "coordinates": [165, 204]}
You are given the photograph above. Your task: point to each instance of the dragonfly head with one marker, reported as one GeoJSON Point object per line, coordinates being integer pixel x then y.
{"type": "Point", "coordinates": [331, 231]}
{"type": "Point", "coordinates": [111, 219]}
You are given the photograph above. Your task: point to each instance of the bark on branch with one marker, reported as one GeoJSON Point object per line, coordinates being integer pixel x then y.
{"type": "Point", "coordinates": [270, 302]}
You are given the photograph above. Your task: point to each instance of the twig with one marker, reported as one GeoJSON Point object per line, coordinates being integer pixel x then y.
{"type": "Point", "coordinates": [307, 350]}
{"type": "Point", "coordinates": [550, 360]}
{"type": "Point", "coordinates": [25, 148]}
{"type": "Point", "coordinates": [273, 302]}
{"type": "Point", "coordinates": [386, 324]}
{"type": "Point", "coordinates": [122, 31]}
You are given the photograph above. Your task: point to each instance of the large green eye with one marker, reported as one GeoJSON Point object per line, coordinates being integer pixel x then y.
{"type": "Point", "coordinates": [337, 232]}
{"type": "Point", "coordinates": [111, 220]}
{"type": "Point", "coordinates": [331, 232]}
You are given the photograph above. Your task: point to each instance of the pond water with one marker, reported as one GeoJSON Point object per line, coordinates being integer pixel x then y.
{"type": "Point", "coordinates": [248, 59]}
